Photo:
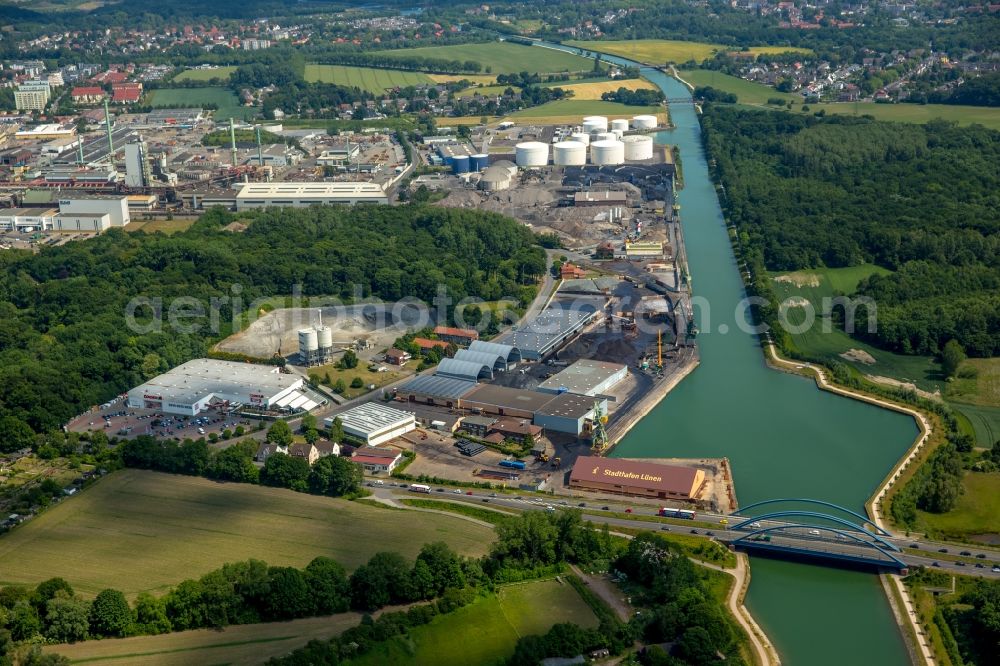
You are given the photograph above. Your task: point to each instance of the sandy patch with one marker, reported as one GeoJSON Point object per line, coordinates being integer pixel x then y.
{"type": "Point", "coordinates": [795, 302]}
{"type": "Point", "coordinates": [858, 356]}
{"type": "Point", "coordinates": [906, 386]}
{"type": "Point", "coordinates": [799, 279]}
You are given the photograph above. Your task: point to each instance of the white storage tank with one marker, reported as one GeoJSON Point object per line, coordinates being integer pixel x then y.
{"type": "Point", "coordinates": [308, 340]}
{"type": "Point", "coordinates": [607, 152]}
{"type": "Point", "coordinates": [595, 124]}
{"type": "Point", "coordinates": [644, 122]}
{"type": "Point", "coordinates": [581, 137]}
{"type": "Point", "coordinates": [531, 154]}
{"type": "Point", "coordinates": [324, 335]}
{"type": "Point", "coordinates": [605, 136]}
{"type": "Point", "coordinates": [638, 147]}
{"type": "Point", "coordinates": [619, 124]}
{"type": "Point", "coordinates": [569, 153]}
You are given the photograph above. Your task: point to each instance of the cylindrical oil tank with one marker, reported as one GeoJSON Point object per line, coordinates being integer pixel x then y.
{"type": "Point", "coordinates": [599, 123]}
{"type": "Point", "coordinates": [569, 153]}
{"type": "Point", "coordinates": [605, 136]}
{"type": "Point", "coordinates": [324, 336]}
{"type": "Point", "coordinates": [531, 154]}
{"type": "Point", "coordinates": [644, 122]}
{"type": "Point", "coordinates": [460, 164]}
{"type": "Point", "coordinates": [638, 147]}
{"type": "Point", "coordinates": [607, 152]}
{"type": "Point", "coordinates": [619, 124]}
{"type": "Point", "coordinates": [581, 137]}
{"type": "Point", "coordinates": [308, 340]}
{"type": "Point", "coordinates": [479, 162]}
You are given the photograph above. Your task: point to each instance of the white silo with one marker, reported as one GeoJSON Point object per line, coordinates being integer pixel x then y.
{"type": "Point", "coordinates": [619, 124]}
{"type": "Point", "coordinates": [569, 153]}
{"type": "Point", "coordinates": [308, 345]}
{"type": "Point", "coordinates": [324, 336]}
{"type": "Point", "coordinates": [605, 136]}
{"type": "Point", "coordinates": [607, 152]}
{"type": "Point", "coordinates": [531, 154]}
{"type": "Point", "coordinates": [638, 147]}
{"type": "Point", "coordinates": [644, 122]}
{"type": "Point", "coordinates": [580, 137]}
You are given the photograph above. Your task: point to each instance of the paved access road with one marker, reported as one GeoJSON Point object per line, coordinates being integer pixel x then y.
{"type": "Point", "coordinates": [799, 537]}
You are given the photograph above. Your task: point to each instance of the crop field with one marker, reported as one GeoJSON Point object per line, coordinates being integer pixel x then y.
{"type": "Point", "coordinates": [145, 532]}
{"type": "Point", "coordinates": [485, 79]}
{"type": "Point", "coordinates": [223, 98]}
{"type": "Point", "coordinates": [595, 89]}
{"type": "Point", "coordinates": [815, 285]}
{"type": "Point", "coordinates": [504, 57]}
{"type": "Point", "coordinates": [221, 72]}
{"type": "Point", "coordinates": [370, 79]}
{"type": "Point", "coordinates": [978, 397]}
{"type": "Point", "coordinates": [485, 631]}
{"type": "Point", "coordinates": [240, 644]}
{"type": "Point", "coordinates": [747, 92]}
{"type": "Point", "coordinates": [566, 111]}
{"type": "Point", "coordinates": [661, 51]}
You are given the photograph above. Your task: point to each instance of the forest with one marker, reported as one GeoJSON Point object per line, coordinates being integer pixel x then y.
{"type": "Point", "coordinates": [64, 344]}
{"type": "Point", "coordinates": [921, 200]}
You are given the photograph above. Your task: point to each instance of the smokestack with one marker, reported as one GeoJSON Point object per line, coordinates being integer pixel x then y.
{"type": "Point", "coordinates": [107, 124]}
{"type": "Point", "coordinates": [260, 154]}
{"type": "Point", "coordinates": [232, 139]}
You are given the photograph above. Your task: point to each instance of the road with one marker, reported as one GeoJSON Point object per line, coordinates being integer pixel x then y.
{"type": "Point", "coordinates": [825, 542]}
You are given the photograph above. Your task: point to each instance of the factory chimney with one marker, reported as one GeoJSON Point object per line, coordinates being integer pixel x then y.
{"type": "Point", "coordinates": [107, 125]}
{"type": "Point", "coordinates": [232, 140]}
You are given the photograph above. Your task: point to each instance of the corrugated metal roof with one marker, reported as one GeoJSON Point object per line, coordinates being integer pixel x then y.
{"type": "Point", "coordinates": [439, 387]}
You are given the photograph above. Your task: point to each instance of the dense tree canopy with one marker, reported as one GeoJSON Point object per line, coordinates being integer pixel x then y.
{"type": "Point", "coordinates": [920, 200]}
{"type": "Point", "coordinates": [64, 343]}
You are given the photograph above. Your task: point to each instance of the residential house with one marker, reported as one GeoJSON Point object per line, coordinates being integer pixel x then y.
{"type": "Point", "coordinates": [376, 461]}
{"type": "Point", "coordinates": [87, 94]}
{"type": "Point", "coordinates": [307, 452]}
{"type": "Point", "coordinates": [571, 272]}
{"type": "Point", "coordinates": [397, 356]}
{"type": "Point", "coordinates": [265, 451]}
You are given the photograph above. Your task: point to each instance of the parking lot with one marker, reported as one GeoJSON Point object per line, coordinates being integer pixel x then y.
{"type": "Point", "coordinates": [118, 420]}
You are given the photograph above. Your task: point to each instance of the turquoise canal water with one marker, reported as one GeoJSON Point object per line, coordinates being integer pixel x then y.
{"type": "Point", "coordinates": [782, 435]}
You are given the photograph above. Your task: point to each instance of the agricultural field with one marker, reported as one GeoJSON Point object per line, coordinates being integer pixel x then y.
{"type": "Point", "coordinates": [756, 94]}
{"type": "Point", "coordinates": [482, 79]}
{"type": "Point", "coordinates": [141, 531]}
{"type": "Point", "coordinates": [482, 90]}
{"type": "Point", "coordinates": [976, 394]}
{"type": "Point", "coordinates": [594, 90]}
{"type": "Point", "coordinates": [815, 285]}
{"type": "Point", "coordinates": [505, 58]}
{"type": "Point", "coordinates": [975, 513]}
{"type": "Point", "coordinates": [226, 103]}
{"type": "Point", "coordinates": [661, 51]}
{"type": "Point", "coordinates": [747, 92]}
{"type": "Point", "coordinates": [565, 111]}
{"type": "Point", "coordinates": [221, 72]}
{"type": "Point", "coordinates": [166, 226]}
{"type": "Point", "coordinates": [485, 631]}
{"type": "Point", "coordinates": [366, 78]}
{"type": "Point", "coordinates": [240, 644]}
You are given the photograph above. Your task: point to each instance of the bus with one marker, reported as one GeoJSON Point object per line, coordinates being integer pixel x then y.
{"type": "Point", "coordinates": [667, 512]}
{"type": "Point", "coordinates": [419, 488]}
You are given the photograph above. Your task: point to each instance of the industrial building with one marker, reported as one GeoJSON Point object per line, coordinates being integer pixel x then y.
{"type": "Point", "coordinates": [504, 401]}
{"type": "Point", "coordinates": [550, 329]}
{"type": "Point", "coordinates": [174, 116]}
{"type": "Point", "coordinates": [298, 194]}
{"type": "Point", "coordinates": [27, 219]}
{"type": "Point", "coordinates": [194, 386]}
{"type": "Point", "coordinates": [43, 132]}
{"type": "Point", "coordinates": [586, 377]}
{"type": "Point", "coordinates": [469, 370]}
{"type": "Point", "coordinates": [137, 169]}
{"type": "Point", "coordinates": [435, 390]}
{"type": "Point", "coordinates": [377, 460]}
{"type": "Point", "coordinates": [374, 424]}
{"type": "Point", "coordinates": [462, 337]}
{"type": "Point", "coordinates": [569, 413]}
{"type": "Point", "coordinates": [77, 208]}
{"type": "Point", "coordinates": [637, 479]}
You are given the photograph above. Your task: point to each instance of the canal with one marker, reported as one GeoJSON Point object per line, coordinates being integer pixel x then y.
{"type": "Point", "coordinates": [783, 436]}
